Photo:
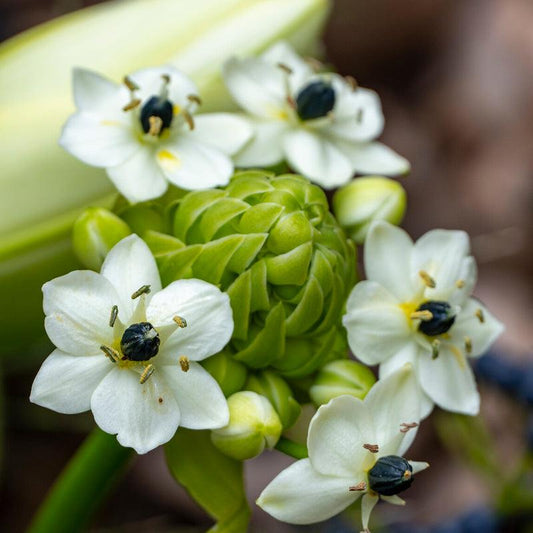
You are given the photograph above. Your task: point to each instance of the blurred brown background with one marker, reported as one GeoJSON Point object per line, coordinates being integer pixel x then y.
{"type": "Point", "coordinates": [456, 80]}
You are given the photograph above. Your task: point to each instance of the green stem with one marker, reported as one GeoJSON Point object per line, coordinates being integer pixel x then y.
{"type": "Point", "coordinates": [83, 484]}
{"type": "Point", "coordinates": [289, 447]}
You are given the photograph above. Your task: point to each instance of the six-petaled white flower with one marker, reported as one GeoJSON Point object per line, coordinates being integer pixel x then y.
{"type": "Point", "coordinates": [128, 350]}
{"type": "Point", "coordinates": [355, 448]}
{"type": "Point", "coordinates": [319, 122]}
{"type": "Point", "coordinates": [144, 134]}
{"type": "Point", "coordinates": [415, 306]}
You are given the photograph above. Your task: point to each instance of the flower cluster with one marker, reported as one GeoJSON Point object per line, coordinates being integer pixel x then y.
{"type": "Point", "coordinates": [253, 269]}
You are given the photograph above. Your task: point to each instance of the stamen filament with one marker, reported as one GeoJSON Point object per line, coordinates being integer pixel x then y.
{"type": "Point", "coordinates": [188, 119]}
{"type": "Point", "coordinates": [424, 315]}
{"type": "Point", "coordinates": [110, 353]}
{"type": "Point", "coordinates": [435, 348]}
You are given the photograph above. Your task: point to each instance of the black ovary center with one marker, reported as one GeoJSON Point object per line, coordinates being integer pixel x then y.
{"type": "Point", "coordinates": [390, 475]}
{"type": "Point", "coordinates": [156, 107]}
{"type": "Point", "coordinates": [442, 320]}
{"type": "Point", "coordinates": [315, 100]}
{"type": "Point", "coordinates": [140, 342]}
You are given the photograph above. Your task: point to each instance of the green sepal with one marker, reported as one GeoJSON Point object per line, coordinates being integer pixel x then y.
{"type": "Point", "coordinates": [290, 268]}
{"type": "Point", "coordinates": [178, 265]}
{"type": "Point", "coordinates": [161, 244]}
{"type": "Point", "coordinates": [307, 311]}
{"type": "Point", "coordinates": [278, 392]}
{"type": "Point", "coordinates": [229, 373]}
{"type": "Point", "coordinates": [214, 480]}
{"type": "Point", "coordinates": [240, 294]}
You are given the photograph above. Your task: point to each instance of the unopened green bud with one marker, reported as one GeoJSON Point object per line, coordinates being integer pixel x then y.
{"type": "Point", "coordinates": [341, 377]}
{"type": "Point", "coordinates": [229, 373]}
{"type": "Point", "coordinates": [278, 392]}
{"type": "Point", "coordinates": [253, 426]}
{"type": "Point", "coordinates": [365, 200]}
{"type": "Point", "coordinates": [95, 232]}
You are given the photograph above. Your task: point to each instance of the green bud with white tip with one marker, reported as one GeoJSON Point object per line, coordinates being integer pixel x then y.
{"type": "Point", "coordinates": [278, 392]}
{"type": "Point", "coordinates": [253, 426]}
{"type": "Point", "coordinates": [341, 377]}
{"type": "Point", "coordinates": [94, 233]}
{"type": "Point", "coordinates": [367, 199]}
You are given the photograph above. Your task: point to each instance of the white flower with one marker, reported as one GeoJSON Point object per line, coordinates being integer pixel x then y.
{"type": "Point", "coordinates": [319, 123]}
{"type": "Point", "coordinates": [130, 353]}
{"type": "Point", "coordinates": [416, 307]}
{"type": "Point", "coordinates": [143, 133]}
{"type": "Point", "coordinates": [351, 443]}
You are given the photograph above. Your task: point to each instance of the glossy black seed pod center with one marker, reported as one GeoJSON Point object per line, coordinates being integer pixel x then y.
{"type": "Point", "coordinates": [156, 107]}
{"type": "Point", "coordinates": [442, 320]}
{"type": "Point", "coordinates": [140, 342]}
{"type": "Point", "coordinates": [315, 101]}
{"type": "Point", "coordinates": [390, 475]}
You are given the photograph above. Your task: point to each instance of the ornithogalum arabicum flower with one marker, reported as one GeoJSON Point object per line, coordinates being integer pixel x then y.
{"type": "Point", "coordinates": [145, 134]}
{"type": "Point", "coordinates": [321, 123]}
{"type": "Point", "coordinates": [416, 307]}
{"type": "Point", "coordinates": [356, 449]}
{"type": "Point", "coordinates": [128, 350]}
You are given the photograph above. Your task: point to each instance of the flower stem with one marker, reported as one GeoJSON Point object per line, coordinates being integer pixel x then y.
{"type": "Point", "coordinates": [83, 484]}
{"type": "Point", "coordinates": [289, 447]}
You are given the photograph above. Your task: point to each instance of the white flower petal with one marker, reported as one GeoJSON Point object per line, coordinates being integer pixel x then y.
{"type": "Point", "coordinates": [367, 504]}
{"type": "Point", "coordinates": [65, 383]}
{"type": "Point", "coordinates": [388, 252]}
{"type": "Point", "coordinates": [200, 399]}
{"type": "Point", "coordinates": [316, 158]}
{"type": "Point", "coordinates": [128, 266]}
{"type": "Point", "coordinates": [357, 114]}
{"type": "Point", "coordinates": [374, 158]}
{"type": "Point", "coordinates": [208, 314]}
{"type": "Point", "coordinates": [150, 82]}
{"type": "Point", "coordinates": [394, 499]}
{"type": "Point", "coordinates": [468, 325]}
{"type": "Point", "coordinates": [142, 416]}
{"type": "Point", "coordinates": [95, 93]}
{"type": "Point", "coordinates": [442, 254]}
{"type": "Point", "coordinates": [282, 52]}
{"type": "Point", "coordinates": [377, 326]}
{"type": "Point", "coordinates": [77, 308]}
{"type": "Point", "coordinates": [394, 401]}
{"type": "Point", "coordinates": [257, 86]}
{"type": "Point", "coordinates": [140, 177]}
{"type": "Point", "coordinates": [448, 380]}
{"type": "Point", "coordinates": [300, 495]}
{"type": "Point", "coordinates": [336, 436]}
{"type": "Point", "coordinates": [192, 165]}
{"type": "Point", "coordinates": [98, 140]}
{"type": "Point", "coordinates": [223, 131]}
{"type": "Point", "coordinates": [265, 148]}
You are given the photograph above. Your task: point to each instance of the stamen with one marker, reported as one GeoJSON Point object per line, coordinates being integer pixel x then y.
{"type": "Point", "coordinates": [424, 315]}
{"type": "Point", "coordinates": [285, 68]}
{"type": "Point", "coordinates": [435, 348]}
{"type": "Point", "coordinates": [359, 487]}
{"type": "Point", "coordinates": [131, 105]}
{"type": "Point", "coordinates": [156, 125]}
{"type": "Point", "coordinates": [468, 345]}
{"type": "Point", "coordinates": [405, 427]}
{"type": "Point", "coordinates": [407, 474]}
{"type": "Point", "coordinates": [184, 363]}
{"type": "Point", "coordinates": [145, 289]}
{"type": "Point", "coordinates": [352, 82]}
{"type": "Point", "coordinates": [194, 98]}
{"type": "Point", "coordinates": [188, 118]}
{"type": "Point", "coordinates": [460, 283]}
{"type": "Point", "coordinates": [110, 353]}
{"type": "Point", "coordinates": [130, 84]}
{"type": "Point", "coordinates": [113, 316]}
{"type": "Point", "coordinates": [148, 371]}
{"type": "Point", "coordinates": [166, 78]}
{"type": "Point", "coordinates": [427, 279]}
{"type": "Point", "coordinates": [480, 315]}
{"type": "Point", "coordinates": [180, 321]}
{"type": "Point", "coordinates": [374, 448]}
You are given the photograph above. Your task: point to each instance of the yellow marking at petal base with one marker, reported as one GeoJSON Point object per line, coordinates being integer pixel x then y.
{"type": "Point", "coordinates": [110, 123]}
{"type": "Point", "coordinates": [458, 354]}
{"type": "Point", "coordinates": [168, 160]}
{"type": "Point", "coordinates": [176, 109]}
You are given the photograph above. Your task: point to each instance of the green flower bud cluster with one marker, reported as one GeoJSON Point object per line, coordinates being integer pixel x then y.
{"type": "Point", "coordinates": [273, 246]}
